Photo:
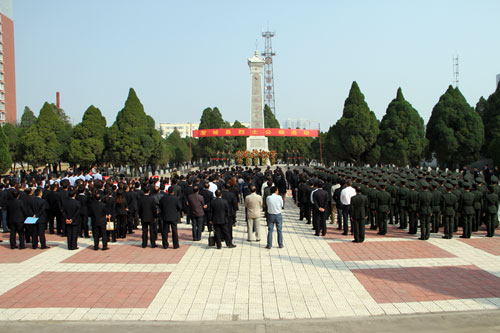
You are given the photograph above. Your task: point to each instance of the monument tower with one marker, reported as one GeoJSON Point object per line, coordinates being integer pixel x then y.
{"type": "Point", "coordinates": [256, 65]}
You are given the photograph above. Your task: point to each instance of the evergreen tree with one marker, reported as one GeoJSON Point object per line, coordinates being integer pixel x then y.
{"type": "Point", "coordinates": [210, 119]}
{"type": "Point", "coordinates": [27, 119]}
{"type": "Point", "coordinates": [129, 138]}
{"type": "Point", "coordinates": [275, 143]}
{"type": "Point", "coordinates": [87, 143]}
{"type": "Point", "coordinates": [480, 107]}
{"type": "Point", "coordinates": [455, 132]}
{"type": "Point", "coordinates": [240, 142]}
{"type": "Point", "coordinates": [5, 159]}
{"type": "Point", "coordinates": [179, 150]}
{"type": "Point", "coordinates": [43, 143]}
{"type": "Point", "coordinates": [491, 121]}
{"type": "Point", "coordinates": [159, 154]}
{"type": "Point", "coordinates": [354, 135]}
{"type": "Point", "coordinates": [12, 133]}
{"type": "Point", "coordinates": [402, 136]}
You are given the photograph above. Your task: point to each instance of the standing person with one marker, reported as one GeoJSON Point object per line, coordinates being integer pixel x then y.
{"type": "Point", "coordinates": [359, 213]}
{"type": "Point", "coordinates": [402, 203]}
{"type": "Point", "coordinates": [39, 208]}
{"type": "Point", "coordinates": [301, 199]}
{"type": "Point", "coordinates": [55, 207]}
{"type": "Point", "coordinates": [3, 208]}
{"type": "Point", "coordinates": [131, 197]}
{"type": "Point", "coordinates": [436, 207]}
{"type": "Point", "coordinates": [98, 216]}
{"type": "Point", "coordinates": [412, 208]}
{"type": "Point", "coordinates": [345, 198]}
{"type": "Point", "coordinates": [219, 218]}
{"type": "Point", "coordinates": [196, 204]}
{"type": "Point", "coordinates": [232, 200]}
{"type": "Point", "coordinates": [148, 214]}
{"type": "Point", "coordinates": [424, 210]}
{"type": "Point", "coordinates": [320, 199]}
{"type": "Point", "coordinates": [466, 204]}
{"type": "Point", "coordinates": [170, 208]}
{"type": "Point", "coordinates": [207, 198]}
{"type": "Point", "coordinates": [71, 218]}
{"type": "Point", "coordinates": [274, 204]}
{"type": "Point", "coordinates": [16, 214]}
{"type": "Point", "coordinates": [253, 203]}
{"type": "Point", "coordinates": [491, 203]}
{"type": "Point", "coordinates": [83, 198]}
{"type": "Point", "coordinates": [383, 208]}
{"type": "Point", "coordinates": [338, 204]}
{"type": "Point", "coordinates": [121, 212]}
{"type": "Point", "coordinates": [449, 205]}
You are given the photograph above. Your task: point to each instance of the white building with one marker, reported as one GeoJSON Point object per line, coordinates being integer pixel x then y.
{"type": "Point", "coordinates": [185, 129]}
{"type": "Point", "coordinates": [300, 124]}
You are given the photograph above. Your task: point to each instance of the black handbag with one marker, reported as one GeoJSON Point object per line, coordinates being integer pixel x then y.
{"type": "Point", "coordinates": [211, 239]}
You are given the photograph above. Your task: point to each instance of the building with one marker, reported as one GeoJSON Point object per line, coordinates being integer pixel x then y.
{"type": "Point", "coordinates": [7, 64]}
{"type": "Point", "coordinates": [300, 124]}
{"type": "Point", "coordinates": [185, 129]}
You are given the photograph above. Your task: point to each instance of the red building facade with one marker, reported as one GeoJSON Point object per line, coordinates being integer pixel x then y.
{"type": "Point", "coordinates": [7, 68]}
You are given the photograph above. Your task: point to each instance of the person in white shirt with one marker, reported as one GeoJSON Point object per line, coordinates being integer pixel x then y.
{"type": "Point", "coordinates": [345, 198]}
{"type": "Point", "coordinates": [274, 204]}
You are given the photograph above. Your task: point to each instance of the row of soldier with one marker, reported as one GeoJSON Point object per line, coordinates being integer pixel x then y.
{"type": "Point", "coordinates": [392, 196]}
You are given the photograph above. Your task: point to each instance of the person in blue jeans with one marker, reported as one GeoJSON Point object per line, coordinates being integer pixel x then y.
{"type": "Point", "coordinates": [274, 203]}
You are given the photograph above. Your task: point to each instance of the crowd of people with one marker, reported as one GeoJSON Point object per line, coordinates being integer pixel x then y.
{"type": "Point", "coordinates": [78, 204]}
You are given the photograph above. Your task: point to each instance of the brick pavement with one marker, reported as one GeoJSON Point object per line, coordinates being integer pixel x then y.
{"type": "Point", "coordinates": [311, 277]}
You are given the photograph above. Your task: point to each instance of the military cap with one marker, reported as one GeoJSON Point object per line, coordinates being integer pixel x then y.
{"type": "Point", "coordinates": [423, 183]}
{"type": "Point", "coordinates": [448, 185]}
{"type": "Point", "coordinates": [494, 179]}
{"type": "Point", "coordinates": [412, 184]}
{"type": "Point", "coordinates": [466, 184]}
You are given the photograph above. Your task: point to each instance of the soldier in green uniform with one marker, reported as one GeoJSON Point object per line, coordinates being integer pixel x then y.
{"type": "Point", "coordinates": [458, 194]}
{"type": "Point", "coordinates": [372, 201]}
{"type": "Point", "coordinates": [478, 206]}
{"type": "Point", "coordinates": [436, 207]}
{"type": "Point", "coordinates": [358, 211]}
{"type": "Point", "coordinates": [466, 205]}
{"type": "Point", "coordinates": [402, 204]}
{"type": "Point", "coordinates": [412, 208]}
{"type": "Point", "coordinates": [449, 205]}
{"type": "Point", "coordinates": [424, 210]}
{"type": "Point", "coordinates": [383, 208]}
{"type": "Point", "coordinates": [491, 205]}
{"type": "Point", "coordinates": [393, 190]}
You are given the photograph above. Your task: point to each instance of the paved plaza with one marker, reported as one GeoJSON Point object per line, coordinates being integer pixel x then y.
{"type": "Point", "coordinates": [311, 277]}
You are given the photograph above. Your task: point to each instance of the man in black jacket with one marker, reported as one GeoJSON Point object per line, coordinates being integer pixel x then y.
{"type": "Point", "coordinates": [170, 208]}
{"type": "Point", "coordinates": [71, 218]}
{"type": "Point", "coordinates": [320, 199]}
{"type": "Point", "coordinates": [147, 214]}
{"type": "Point", "coordinates": [16, 214]}
{"type": "Point", "coordinates": [219, 218]}
{"type": "Point", "coordinates": [98, 216]}
{"type": "Point", "coordinates": [39, 208]}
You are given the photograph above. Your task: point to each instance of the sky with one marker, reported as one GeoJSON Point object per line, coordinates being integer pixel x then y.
{"type": "Point", "coordinates": [184, 56]}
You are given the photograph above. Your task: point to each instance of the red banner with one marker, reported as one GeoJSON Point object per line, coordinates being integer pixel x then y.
{"type": "Point", "coordinates": [203, 133]}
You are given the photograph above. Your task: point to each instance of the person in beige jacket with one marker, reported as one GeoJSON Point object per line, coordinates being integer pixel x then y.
{"type": "Point", "coordinates": [253, 204]}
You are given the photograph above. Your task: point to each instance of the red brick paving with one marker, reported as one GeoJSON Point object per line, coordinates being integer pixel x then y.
{"type": "Point", "coordinates": [388, 250]}
{"type": "Point", "coordinates": [129, 254]}
{"type": "Point", "coordinates": [487, 244]}
{"type": "Point", "coordinates": [85, 290]}
{"type": "Point", "coordinates": [184, 235]}
{"type": "Point", "coordinates": [392, 232]}
{"type": "Point", "coordinates": [420, 284]}
{"type": "Point", "coordinates": [16, 256]}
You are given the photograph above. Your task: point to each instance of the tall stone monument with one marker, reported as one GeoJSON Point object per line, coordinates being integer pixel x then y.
{"type": "Point", "coordinates": [256, 65]}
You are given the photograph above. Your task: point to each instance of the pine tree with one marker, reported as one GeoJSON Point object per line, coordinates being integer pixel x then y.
{"type": "Point", "coordinates": [402, 136]}
{"type": "Point", "coordinates": [354, 135]}
{"type": "Point", "coordinates": [491, 121]}
{"type": "Point", "coordinates": [211, 119]}
{"type": "Point", "coordinates": [5, 159]}
{"type": "Point", "coordinates": [455, 132]}
{"type": "Point", "coordinates": [87, 143]}
{"type": "Point", "coordinates": [129, 139]}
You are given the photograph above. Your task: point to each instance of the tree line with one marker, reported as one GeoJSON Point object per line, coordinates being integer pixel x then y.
{"type": "Point", "coordinates": [456, 134]}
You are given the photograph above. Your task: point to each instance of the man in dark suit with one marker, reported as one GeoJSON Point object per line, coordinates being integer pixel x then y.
{"type": "Point", "coordinates": [98, 217]}
{"type": "Point", "coordinates": [196, 204]}
{"type": "Point", "coordinates": [16, 214]}
{"type": "Point", "coordinates": [170, 208]}
{"type": "Point", "coordinates": [359, 213]}
{"type": "Point", "coordinates": [232, 200]}
{"type": "Point", "coordinates": [207, 198]}
{"type": "Point", "coordinates": [320, 199]}
{"type": "Point", "coordinates": [39, 208]}
{"type": "Point", "coordinates": [219, 218]}
{"type": "Point", "coordinates": [55, 206]}
{"type": "Point", "coordinates": [147, 214]}
{"type": "Point", "coordinates": [71, 218]}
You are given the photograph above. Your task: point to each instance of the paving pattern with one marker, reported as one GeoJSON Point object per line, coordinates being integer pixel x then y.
{"type": "Point", "coordinates": [311, 277]}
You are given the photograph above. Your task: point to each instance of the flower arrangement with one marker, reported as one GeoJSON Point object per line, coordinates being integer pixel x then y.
{"type": "Point", "coordinates": [255, 157]}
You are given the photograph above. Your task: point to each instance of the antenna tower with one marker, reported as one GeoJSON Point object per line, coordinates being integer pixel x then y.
{"type": "Point", "coordinates": [455, 71]}
{"type": "Point", "coordinates": [268, 55]}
